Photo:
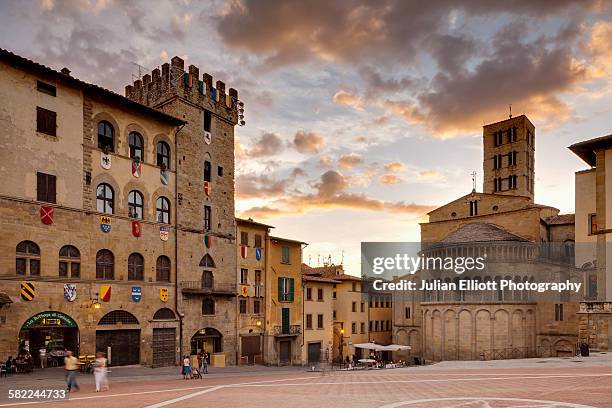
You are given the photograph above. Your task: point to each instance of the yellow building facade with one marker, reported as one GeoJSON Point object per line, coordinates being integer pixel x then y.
{"type": "Point", "coordinates": [318, 319]}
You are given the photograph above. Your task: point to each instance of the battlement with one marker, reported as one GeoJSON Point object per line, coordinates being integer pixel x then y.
{"type": "Point", "coordinates": [158, 87]}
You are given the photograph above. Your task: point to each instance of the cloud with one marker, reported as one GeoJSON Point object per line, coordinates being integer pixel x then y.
{"type": "Point", "coordinates": [330, 193]}
{"type": "Point", "coordinates": [600, 48]}
{"type": "Point", "coordinates": [396, 167]}
{"type": "Point", "coordinates": [526, 75]}
{"type": "Point", "coordinates": [260, 186]}
{"type": "Point", "coordinates": [325, 160]}
{"type": "Point", "coordinates": [268, 144]}
{"type": "Point", "coordinates": [308, 142]}
{"type": "Point", "coordinates": [430, 175]}
{"type": "Point", "coordinates": [348, 99]}
{"type": "Point", "coordinates": [350, 160]}
{"type": "Point", "coordinates": [289, 32]}
{"type": "Point", "coordinates": [389, 179]}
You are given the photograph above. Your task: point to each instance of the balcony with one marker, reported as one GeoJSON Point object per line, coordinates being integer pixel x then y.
{"type": "Point", "coordinates": [218, 289]}
{"type": "Point", "coordinates": [287, 331]}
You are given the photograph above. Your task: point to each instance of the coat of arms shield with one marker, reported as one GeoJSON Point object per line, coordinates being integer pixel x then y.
{"type": "Point", "coordinates": [163, 233]}
{"type": "Point", "coordinates": [136, 293]}
{"type": "Point", "coordinates": [105, 223]}
{"type": "Point", "coordinates": [70, 292]}
{"type": "Point", "coordinates": [105, 160]}
{"type": "Point", "coordinates": [163, 294]}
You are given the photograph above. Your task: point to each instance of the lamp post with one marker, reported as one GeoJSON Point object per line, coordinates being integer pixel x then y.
{"type": "Point", "coordinates": [341, 345]}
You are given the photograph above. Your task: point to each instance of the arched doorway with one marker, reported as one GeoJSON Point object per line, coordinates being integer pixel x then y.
{"type": "Point", "coordinates": [53, 330]}
{"type": "Point", "coordinates": [118, 335]}
{"type": "Point", "coordinates": [207, 339]}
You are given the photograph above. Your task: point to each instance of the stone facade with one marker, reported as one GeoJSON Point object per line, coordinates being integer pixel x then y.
{"type": "Point", "coordinates": [34, 248]}
{"type": "Point", "coordinates": [522, 241]}
{"type": "Point", "coordinates": [205, 154]}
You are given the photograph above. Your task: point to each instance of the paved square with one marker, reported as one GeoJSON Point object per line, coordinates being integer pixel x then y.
{"type": "Point", "coordinates": [569, 383]}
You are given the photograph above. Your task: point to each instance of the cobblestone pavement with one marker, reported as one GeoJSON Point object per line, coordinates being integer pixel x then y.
{"type": "Point", "coordinates": [530, 383]}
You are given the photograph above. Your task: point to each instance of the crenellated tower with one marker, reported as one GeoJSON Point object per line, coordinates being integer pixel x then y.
{"type": "Point", "coordinates": [203, 159]}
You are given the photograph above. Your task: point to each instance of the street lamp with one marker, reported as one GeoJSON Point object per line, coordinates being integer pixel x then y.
{"type": "Point", "coordinates": [341, 345]}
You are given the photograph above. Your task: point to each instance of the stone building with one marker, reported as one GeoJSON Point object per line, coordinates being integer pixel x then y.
{"type": "Point", "coordinates": [204, 161]}
{"type": "Point", "coordinates": [318, 322]}
{"type": "Point", "coordinates": [283, 338]}
{"type": "Point", "coordinates": [592, 247]}
{"type": "Point", "coordinates": [358, 316]}
{"type": "Point", "coordinates": [251, 274]}
{"type": "Point", "coordinates": [88, 255]}
{"type": "Point", "coordinates": [521, 241]}
{"type": "Point", "coordinates": [119, 225]}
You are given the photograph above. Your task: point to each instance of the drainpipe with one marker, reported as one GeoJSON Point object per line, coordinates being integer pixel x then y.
{"type": "Point", "coordinates": [176, 213]}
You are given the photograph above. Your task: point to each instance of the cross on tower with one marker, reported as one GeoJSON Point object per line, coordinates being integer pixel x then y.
{"type": "Point", "coordinates": [473, 181]}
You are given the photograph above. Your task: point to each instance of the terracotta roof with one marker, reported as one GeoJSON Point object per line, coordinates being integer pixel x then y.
{"type": "Point", "coordinates": [481, 232]}
{"type": "Point", "coordinates": [287, 240]}
{"type": "Point", "coordinates": [561, 219]}
{"type": "Point", "coordinates": [586, 149]}
{"type": "Point", "coordinates": [250, 221]}
{"type": "Point", "coordinates": [24, 63]}
{"type": "Point", "coordinates": [314, 278]}
{"type": "Point", "coordinates": [335, 272]}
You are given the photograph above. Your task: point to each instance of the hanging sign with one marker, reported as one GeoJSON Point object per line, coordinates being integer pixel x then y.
{"type": "Point", "coordinates": [46, 215]}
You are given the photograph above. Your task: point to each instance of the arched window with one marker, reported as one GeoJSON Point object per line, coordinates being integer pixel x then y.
{"type": "Point", "coordinates": [135, 142]}
{"type": "Point", "coordinates": [163, 155]}
{"type": "Point", "coordinates": [28, 259]}
{"type": "Point", "coordinates": [106, 136]}
{"type": "Point", "coordinates": [105, 198]}
{"type": "Point", "coordinates": [207, 261]}
{"type": "Point", "coordinates": [208, 306]}
{"type": "Point", "coordinates": [105, 265]}
{"type": "Point", "coordinates": [69, 260]}
{"type": "Point", "coordinates": [163, 269]}
{"type": "Point", "coordinates": [118, 316]}
{"type": "Point", "coordinates": [164, 314]}
{"type": "Point", "coordinates": [163, 210]}
{"type": "Point", "coordinates": [135, 267]}
{"type": "Point", "coordinates": [135, 206]}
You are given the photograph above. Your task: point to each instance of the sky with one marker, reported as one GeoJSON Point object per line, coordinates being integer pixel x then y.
{"type": "Point", "coordinates": [361, 115]}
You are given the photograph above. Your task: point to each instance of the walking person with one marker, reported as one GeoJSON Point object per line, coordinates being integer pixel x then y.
{"type": "Point", "coordinates": [42, 354]}
{"type": "Point", "coordinates": [71, 365]}
{"type": "Point", "coordinates": [186, 368]}
{"type": "Point", "coordinates": [100, 371]}
{"type": "Point", "coordinates": [204, 363]}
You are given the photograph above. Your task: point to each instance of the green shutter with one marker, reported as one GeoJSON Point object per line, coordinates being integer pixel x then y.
{"type": "Point", "coordinates": [186, 80]}
{"type": "Point", "coordinates": [280, 289]}
{"type": "Point", "coordinates": [285, 320]}
{"type": "Point", "coordinates": [291, 290]}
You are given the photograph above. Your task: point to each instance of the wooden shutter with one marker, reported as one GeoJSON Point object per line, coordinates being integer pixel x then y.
{"type": "Point", "coordinates": [280, 289]}
{"type": "Point", "coordinates": [285, 317]}
{"type": "Point", "coordinates": [41, 185]}
{"type": "Point", "coordinates": [291, 289]}
{"type": "Point", "coordinates": [50, 189]}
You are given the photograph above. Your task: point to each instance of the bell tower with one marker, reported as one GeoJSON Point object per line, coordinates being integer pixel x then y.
{"type": "Point", "coordinates": [509, 157]}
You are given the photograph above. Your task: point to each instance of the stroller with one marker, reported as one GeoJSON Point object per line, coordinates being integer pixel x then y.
{"type": "Point", "coordinates": [196, 372]}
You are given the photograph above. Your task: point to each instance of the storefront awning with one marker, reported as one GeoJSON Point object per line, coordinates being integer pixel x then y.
{"type": "Point", "coordinates": [378, 347]}
{"type": "Point", "coordinates": [5, 299]}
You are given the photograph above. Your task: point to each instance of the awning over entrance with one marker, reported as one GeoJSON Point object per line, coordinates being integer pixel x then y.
{"type": "Point", "coordinates": [378, 347]}
{"type": "Point", "coordinates": [5, 299]}
{"type": "Point", "coordinates": [49, 319]}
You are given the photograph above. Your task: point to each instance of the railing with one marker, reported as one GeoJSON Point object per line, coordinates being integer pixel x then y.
{"type": "Point", "coordinates": [595, 307]}
{"type": "Point", "coordinates": [527, 352]}
{"type": "Point", "coordinates": [198, 287]}
{"type": "Point", "coordinates": [291, 330]}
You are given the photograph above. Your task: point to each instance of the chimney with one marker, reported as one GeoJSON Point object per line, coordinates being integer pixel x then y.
{"type": "Point", "coordinates": [65, 71]}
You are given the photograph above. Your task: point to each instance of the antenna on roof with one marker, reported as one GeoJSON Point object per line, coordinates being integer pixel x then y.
{"type": "Point", "coordinates": [342, 258]}
{"type": "Point", "coordinates": [473, 181]}
{"type": "Point", "coordinates": [510, 111]}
